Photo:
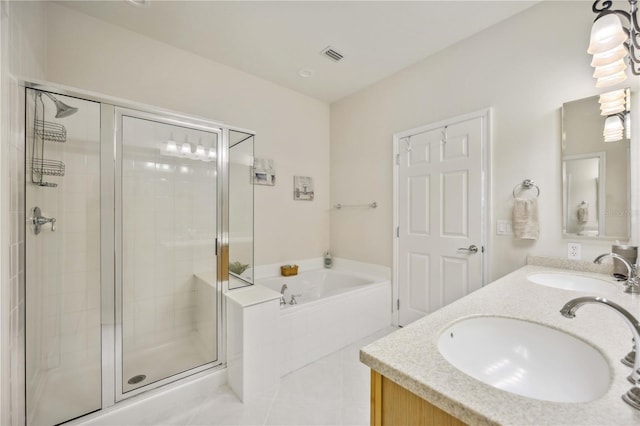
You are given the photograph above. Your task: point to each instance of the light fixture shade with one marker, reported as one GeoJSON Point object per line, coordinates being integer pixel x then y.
{"type": "Point", "coordinates": [615, 133]}
{"type": "Point", "coordinates": [186, 149]}
{"type": "Point", "coordinates": [612, 104]}
{"type": "Point", "coordinates": [613, 96]}
{"type": "Point", "coordinates": [606, 34]}
{"type": "Point", "coordinates": [612, 133]}
{"type": "Point", "coordinates": [612, 110]}
{"type": "Point", "coordinates": [608, 57]}
{"type": "Point", "coordinates": [610, 69]}
{"type": "Point", "coordinates": [200, 151]}
{"type": "Point", "coordinates": [613, 123]}
{"type": "Point", "coordinates": [611, 80]}
{"type": "Point", "coordinates": [613, 137]}
{"type": "Point", "coordinates": [212, 153]}
{"type": "Point", "coordinates": [171, 147]}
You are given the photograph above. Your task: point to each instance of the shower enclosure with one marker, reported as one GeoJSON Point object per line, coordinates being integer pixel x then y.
{"type": "Point", "coordinates": [126, 252]}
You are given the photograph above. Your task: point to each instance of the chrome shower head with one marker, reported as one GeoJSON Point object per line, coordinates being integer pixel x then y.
{"type": "Point", "coordinates": [62, 109]}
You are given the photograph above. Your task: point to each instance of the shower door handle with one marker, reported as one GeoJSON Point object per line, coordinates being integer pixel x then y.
{"type": "Point", "coordinates": [37, 220]}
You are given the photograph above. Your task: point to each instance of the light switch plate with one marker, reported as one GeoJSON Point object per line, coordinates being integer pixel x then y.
{"type": "Point", "coordinates": [504, 227]}
{"type": "Point", "coordinates": [574, 251]}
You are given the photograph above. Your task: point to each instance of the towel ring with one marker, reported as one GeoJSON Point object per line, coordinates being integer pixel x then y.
{"type": "Point", "coordinates": [526, 184]}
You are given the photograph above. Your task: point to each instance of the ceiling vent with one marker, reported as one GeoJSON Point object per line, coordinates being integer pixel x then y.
{"type": "Point", "coordinates": [332, 54]}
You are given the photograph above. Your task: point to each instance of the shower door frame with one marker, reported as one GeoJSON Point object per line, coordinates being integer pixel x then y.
{"type": "Point", "coordinates": [119, 114]}
{"type": "Point", "coordinates": [110, 177]}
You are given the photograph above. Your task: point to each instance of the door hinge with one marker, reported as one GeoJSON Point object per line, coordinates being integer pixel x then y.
{"type": "Point", "coordinates": [482, 249]}
{"type": "Point", "coordinates": [397, 232]}
{"type": "Point", "coordinates": [398, 159]}
{"type": "Point", "coordinates": [216, 247]}
{"type": "Point", "coordinates": [398, 304]}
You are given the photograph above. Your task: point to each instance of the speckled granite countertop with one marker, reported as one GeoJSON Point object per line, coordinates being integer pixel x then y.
{"type": "Point", "coordinates": [410, 356]}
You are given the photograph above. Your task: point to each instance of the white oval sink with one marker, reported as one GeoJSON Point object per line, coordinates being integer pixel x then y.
{"type": "Point", "coordinates": [570, 282]}
{"type": "Point", "coordinates": [526, 358]}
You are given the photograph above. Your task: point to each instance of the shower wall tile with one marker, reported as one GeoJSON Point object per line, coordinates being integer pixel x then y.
{"type": "Point", "coordinates": [22, 32]}
{"type": "Point", "coordinates": [162, 243]}
{"type": "Point", "coordinates": [64, 270]}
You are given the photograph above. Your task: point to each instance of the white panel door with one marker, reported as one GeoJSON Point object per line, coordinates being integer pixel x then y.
{"type": "Point", "coordinates": [439, 216]}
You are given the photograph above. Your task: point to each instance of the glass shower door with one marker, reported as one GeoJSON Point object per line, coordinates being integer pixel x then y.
{"type": "Point", "coordinates": [62, 258]}
{"type": "Point", "coordinates": [167, 231]}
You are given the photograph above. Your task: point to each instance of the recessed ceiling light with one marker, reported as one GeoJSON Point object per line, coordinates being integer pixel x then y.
{"type": "Point", "coordinates": [305, 72]}
{"type": "Point", "coordinates": [140, 3]}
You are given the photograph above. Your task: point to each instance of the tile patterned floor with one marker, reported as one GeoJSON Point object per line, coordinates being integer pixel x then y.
{"type": "Point", "coordinates": [331, 391]}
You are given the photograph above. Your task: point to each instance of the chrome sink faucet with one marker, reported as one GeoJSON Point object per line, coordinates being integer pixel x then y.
{"type": "Point", "coordinates": [282, 290]}
{"type": "Point", "coordinates": [631, 286]}
{"type": "Point", "coordinates": [632, 397]}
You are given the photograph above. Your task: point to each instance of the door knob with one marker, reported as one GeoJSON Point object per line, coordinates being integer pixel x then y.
{"type": "Point", "coordinates": [471, 249]}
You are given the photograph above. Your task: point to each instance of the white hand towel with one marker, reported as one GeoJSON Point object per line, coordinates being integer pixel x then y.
{"type": "Point", "coordinates": [525, 218]}
{"type": "Point", "coordinates": [583, 213]}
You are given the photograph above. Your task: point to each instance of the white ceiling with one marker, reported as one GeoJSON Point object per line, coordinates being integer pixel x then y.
{"type": "Point", "coordinates": [274, 40]}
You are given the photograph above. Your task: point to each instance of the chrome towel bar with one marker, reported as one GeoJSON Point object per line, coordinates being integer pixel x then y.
{"type": "Point", "coordinates": [371, 205]}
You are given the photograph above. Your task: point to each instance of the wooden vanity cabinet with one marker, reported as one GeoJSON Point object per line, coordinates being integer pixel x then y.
{"type": "Point", "coordinates": [393, 405]}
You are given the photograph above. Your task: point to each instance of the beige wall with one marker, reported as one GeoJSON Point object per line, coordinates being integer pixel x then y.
{"type": "Point", "coordinates": [524, 69]}
{"type": "Point", "coordinates": [292, 129]}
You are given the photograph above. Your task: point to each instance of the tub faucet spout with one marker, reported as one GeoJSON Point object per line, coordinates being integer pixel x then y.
{"type": "Point", "coordinates": [282, 290]}
{"type": "Point", "coordinates": [632, 286]}
{"type": "Point", "coordinates": [632, 397]}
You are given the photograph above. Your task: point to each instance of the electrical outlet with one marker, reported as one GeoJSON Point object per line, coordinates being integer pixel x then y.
{"type": "Point", "coordinates": [574, 251]}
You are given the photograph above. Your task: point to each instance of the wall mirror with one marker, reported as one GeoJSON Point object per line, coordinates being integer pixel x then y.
{"type": "Point", "coordinates": [240, 209]}
{"type": "Point", "coordinates": [595, 174]}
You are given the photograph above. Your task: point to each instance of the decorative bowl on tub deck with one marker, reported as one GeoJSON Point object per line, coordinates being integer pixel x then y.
{"type": "Point", "coordinates": [288, 270]}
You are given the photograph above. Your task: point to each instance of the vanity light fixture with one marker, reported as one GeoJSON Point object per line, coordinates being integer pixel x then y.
{"type": "Point", "coordinates": [613, 102]}
{"type": "Point", "coordinates": [200, 151]}
{"type": "Point", "coordinates": [171, 147]}
{"type": "Point", "coordinates": [611, 42]}
{"type": "Point", "coordinates": [613, 128]}
{"type": "Point", "coordinates": [615, 105]}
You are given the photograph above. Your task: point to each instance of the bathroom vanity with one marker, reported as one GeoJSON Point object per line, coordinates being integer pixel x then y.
{"type": "Point", "coordinates": [414, 383]}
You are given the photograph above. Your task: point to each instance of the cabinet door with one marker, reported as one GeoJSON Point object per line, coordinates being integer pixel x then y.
{"type": "Point", "coordinates": [391, 404]}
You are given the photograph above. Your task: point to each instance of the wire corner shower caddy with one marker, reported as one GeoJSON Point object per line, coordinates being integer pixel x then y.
{"type": "Point", "coordinates": [45, 131]}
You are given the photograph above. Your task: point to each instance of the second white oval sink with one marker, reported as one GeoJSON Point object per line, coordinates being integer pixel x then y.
{"type": "Point", "coordinates": [570, 282]}
{"type": "Point", "coordinates": [526, 358]}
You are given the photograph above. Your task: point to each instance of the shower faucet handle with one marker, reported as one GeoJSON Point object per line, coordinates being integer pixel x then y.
{"type": "Point", "coordinates": [37, 220]}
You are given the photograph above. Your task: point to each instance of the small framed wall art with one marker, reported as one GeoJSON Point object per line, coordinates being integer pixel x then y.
{"type": "Point", "coordinates": [264, 172]}
{"type": "Point", "coordinates": [303, 188]}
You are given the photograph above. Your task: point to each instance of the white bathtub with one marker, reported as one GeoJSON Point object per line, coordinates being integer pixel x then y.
{"type": "Point", "coordinates": [309, 286]}
{"type": "Point", "coordinates": [335, 308]}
